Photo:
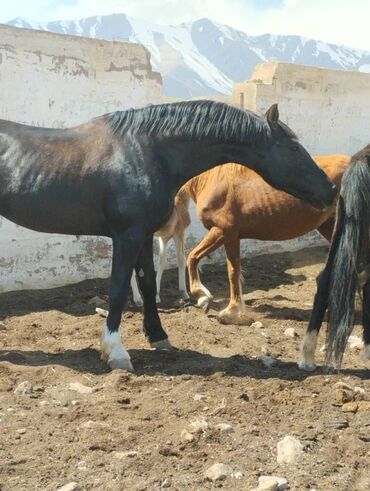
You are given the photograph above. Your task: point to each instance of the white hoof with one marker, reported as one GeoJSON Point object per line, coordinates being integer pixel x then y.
{"type": "Point", "coordinates": [138, 302]}
{"type": "Point", "coordinates": [163, 344]}
{"type": "Point", "coordinates": [204, 303]}
{"type": "Point", "coordinates": [113, 352]}
{"type": "Point", "coordinates": [121, 364]}
{"type": "Point", "coordinates": [307, 366]}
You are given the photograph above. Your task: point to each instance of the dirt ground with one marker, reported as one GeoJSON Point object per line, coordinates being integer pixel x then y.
{"type": "Point", "coordinates": [126, 433]}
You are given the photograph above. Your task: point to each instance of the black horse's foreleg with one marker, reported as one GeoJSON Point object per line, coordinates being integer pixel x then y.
{"type": "Point", "coordinates": [366, 318]}
{"type": "Point", "coordinates": [147, 283]}
{"type": "Point", "coordinates": [320, 304]}
{"type": "Point", "coordinates": [126, 248]}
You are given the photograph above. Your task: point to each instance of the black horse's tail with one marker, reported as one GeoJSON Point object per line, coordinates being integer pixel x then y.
{"type": "Point", "coordinates": [350, 255]}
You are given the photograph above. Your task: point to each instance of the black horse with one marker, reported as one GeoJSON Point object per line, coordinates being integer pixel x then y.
{"type": "Point", "coordinates": [347, 267]}
{"type": "Point", "coordinates": [118, 174]}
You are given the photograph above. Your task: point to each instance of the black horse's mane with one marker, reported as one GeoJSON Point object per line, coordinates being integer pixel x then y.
{"type": "Point", "coordinates": [194, 119]}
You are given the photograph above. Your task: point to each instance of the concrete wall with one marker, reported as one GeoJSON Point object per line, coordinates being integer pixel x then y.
{"type": "Point", "coordinates": [328, 109]}
{"type": "Point", "coordinates": [53, 80]}
{"type": "Point", "coordinates": [56, 80]}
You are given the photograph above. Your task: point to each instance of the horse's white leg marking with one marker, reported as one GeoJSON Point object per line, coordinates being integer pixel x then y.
{"type": "Point", "coordinates": [162, 260]}
{"type": "Point", "coordinates": [366, 352]}
{"type": "Point", "coordinates": [308, 347]}
{"type": "Point", "coordinates": [181, 264]}
{"type": "Point", "coordinates": [135, 291]}
{"type": "Point", "coordinates": [113, 352]}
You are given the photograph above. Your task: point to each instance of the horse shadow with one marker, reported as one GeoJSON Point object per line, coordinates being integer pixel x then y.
{"type": "Point", "coordinates": [178, 363]}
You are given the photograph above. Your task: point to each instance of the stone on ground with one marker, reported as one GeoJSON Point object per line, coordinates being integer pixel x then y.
{"type": "Point", "coordinates": [288, 450]}
{"type": "Point", "coordinates": [218, 472]}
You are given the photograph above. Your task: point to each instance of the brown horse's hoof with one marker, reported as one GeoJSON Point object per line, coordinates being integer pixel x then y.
{"type": "Point", "coordinates": [234, 316]}
{"type": "Point", "coordinates": [163, 344]}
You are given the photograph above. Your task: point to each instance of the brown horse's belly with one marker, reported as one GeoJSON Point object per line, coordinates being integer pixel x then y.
{"type": "Point", "coordinates": [280, 226]}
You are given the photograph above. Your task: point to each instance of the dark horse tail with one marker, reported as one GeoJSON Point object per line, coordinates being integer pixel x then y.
{"type": "Point", "coordinates": [349, 254]}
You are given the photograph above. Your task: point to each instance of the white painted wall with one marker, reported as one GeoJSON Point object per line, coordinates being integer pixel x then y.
{"type": "Point", "coordinates": [53, 80]}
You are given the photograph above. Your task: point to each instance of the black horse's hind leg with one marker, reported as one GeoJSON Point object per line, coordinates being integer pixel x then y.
{"type": "Point", "coordinates": [147, 283]}
{"type": "Point", "coordinates": [366, 319]}
{"type": "Point", "coordinates": [320, 304]}
{"type": "Point", "coordinates": [126, 247]}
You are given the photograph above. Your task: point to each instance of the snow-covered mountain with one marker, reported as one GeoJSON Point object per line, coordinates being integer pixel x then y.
{"type": "Point", "coordinates": [205, 58]}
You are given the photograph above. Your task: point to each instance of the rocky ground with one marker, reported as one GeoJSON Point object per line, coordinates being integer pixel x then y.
{"type": "Point", "coordinates": [66, 420]}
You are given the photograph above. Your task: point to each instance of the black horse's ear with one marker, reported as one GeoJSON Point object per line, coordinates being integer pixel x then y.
{"type": "Point", "coordinates": [272, 116]}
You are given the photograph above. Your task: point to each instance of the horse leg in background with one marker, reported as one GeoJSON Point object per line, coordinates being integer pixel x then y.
{"type": "Point", "coordinates": [366, 319]}
{"type": "Point", "coordinates": [181, 264]}
{"type": "Point", "coordinates": [234, 313]}
{"type": "Point", "coordinates": [212, 241]}
{"type": "Point", "coordinates": [138, 301]}
{"type": "Point", "coordinates": [126, 246]}
{"type": "Point", "coordinates": [162, 261]}
{"type": "Point", "coordinates": [147, 283]}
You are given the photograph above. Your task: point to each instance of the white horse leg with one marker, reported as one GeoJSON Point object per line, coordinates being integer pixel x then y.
{"type": "Point", "coordinates": [181, 264]}
{"type": "Point", "coordinates": [162, 260]}
{"type": "Point", "coordinates": [135, 291]}
{"type": "Point", "coordinates": [113, 352]}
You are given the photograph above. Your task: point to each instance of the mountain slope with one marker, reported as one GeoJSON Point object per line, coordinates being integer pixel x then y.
{"type": "Point", "coordinates": [205, 58]}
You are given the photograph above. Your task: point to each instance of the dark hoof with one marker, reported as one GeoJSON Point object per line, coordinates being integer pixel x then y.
{"type": "Point", "coordinates": [162, 345]}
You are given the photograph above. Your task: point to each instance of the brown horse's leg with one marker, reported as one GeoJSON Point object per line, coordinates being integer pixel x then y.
{"type": "Point", "coordinates": [235, 311]}
{"type": "Point", "coordinates": [327, 228]}
{"type": "Point", "coordinates": [212, 241]}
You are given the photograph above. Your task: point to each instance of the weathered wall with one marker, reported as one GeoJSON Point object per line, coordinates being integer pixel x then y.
{"type": "Point", "coordinates": [52, 80]}
{"type": "Point", "coordinates": [328, 109]}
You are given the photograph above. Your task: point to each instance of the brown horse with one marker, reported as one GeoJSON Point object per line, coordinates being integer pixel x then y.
{"type": "Point", "coordinates": [234, 203]}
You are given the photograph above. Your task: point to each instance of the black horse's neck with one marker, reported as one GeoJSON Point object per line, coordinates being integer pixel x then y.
{"type": "Point", "coordinates": [185, 160]}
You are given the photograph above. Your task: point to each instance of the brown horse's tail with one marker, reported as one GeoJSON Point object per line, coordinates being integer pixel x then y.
{"type": "Point", "coordinates": [349, 254]}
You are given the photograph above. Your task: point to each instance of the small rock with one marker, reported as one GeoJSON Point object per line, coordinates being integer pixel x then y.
{"type": "Point", "coordinates": [123, 455]}
{"type": "Point", "coordinates": [24, 388]}
{"type": "Point", "coordinates": [218, 472]}
{"type": "Point", "coordinates": [267, 360]}
{"type": "Point", "coordinates": [199, 397]}
{"type": "Point", "coordinates": [2, 326]}
{"type": "Point", "coordinates": [166, 483]}
{"type": "Point", "coordinates": [359, 393]}
{"type": "Point", "coordinates": [288, 450]}
{"type": "Point", "coordinates": [350, 407]}
{"type": "Point", "coordinates": [282, 483]}
{"type": "Point", "coordinates": [364, 406]}
{"type": "Point", "coordinates": [337, 424]}
{"type": "Point", "coordinates": [323, 348]}
{"type": "Point", "coordinates": [342, 385]}
{"type": "Point", "coordinates": [290, 332]}
{"type": "Point", "coordinates": [225, 428]}
{"type": "Point", "coordinates": [80, 388]}
{"type": "Point", "coordinates": [199, 426]}
{"type": "Point", "coordinates": [186, 436]}
{"type": "Point", "coordinates": [237, 475]}
{"type": "Point", "coordinates": [97, 301]}
{"type": "Point", "coordinates": [355, 342]}
{"type": "Point", "coordinates": [343, 395]}
{"type": "Point", "coordinates": [257, 324]}
{"type": "Point", "coordinates": [269, 484]}
{"type": "Point", "coordinates": [71, 486]}
{"type": "Point", "coordinates": [21, 431]}
{"type": "Point", "coordinates": [94, 425]}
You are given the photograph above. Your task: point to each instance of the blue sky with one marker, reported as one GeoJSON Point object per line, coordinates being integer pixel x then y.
{"type": "Point", "coordinates": [338, 21]}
